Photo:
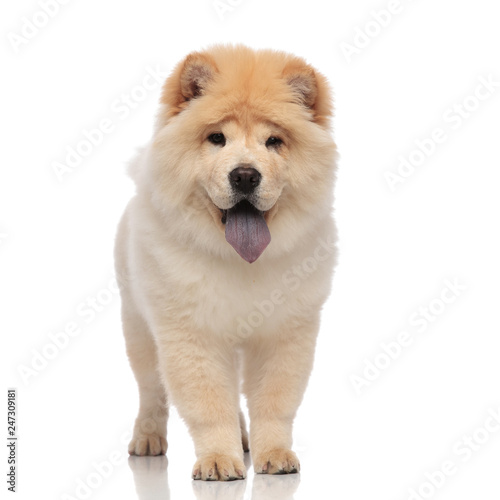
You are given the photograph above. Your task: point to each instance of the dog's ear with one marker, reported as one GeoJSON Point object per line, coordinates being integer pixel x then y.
{"type": "Point", "coordinates": [189, 80]}
{"type": "Point", "coordinates": [310, 89]}
{"type": "Point", "coordinates": [197, 72]}
{"type": "Point", "coordinates": [303, 83]}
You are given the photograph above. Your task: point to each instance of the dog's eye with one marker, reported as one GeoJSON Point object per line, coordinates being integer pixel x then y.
{"type": "Point", "coordinates": [273, 141]}
{"type": "Point", "coordinates": [217, 138]}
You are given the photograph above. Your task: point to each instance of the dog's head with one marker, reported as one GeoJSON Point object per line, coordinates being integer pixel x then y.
{"type": "Point", "coordinates": [242, 147]}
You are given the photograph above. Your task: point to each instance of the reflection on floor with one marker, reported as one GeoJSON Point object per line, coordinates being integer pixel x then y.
{"type": "Point", "coordinates": [150, 477]}
{"type": "Point", "coordinates": [151, 483]}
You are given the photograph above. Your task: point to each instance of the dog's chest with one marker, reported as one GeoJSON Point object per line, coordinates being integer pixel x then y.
{"type": "Point", "coordinates": [231, 301]}
{"type": "Point", "coordinates": [236, 301]}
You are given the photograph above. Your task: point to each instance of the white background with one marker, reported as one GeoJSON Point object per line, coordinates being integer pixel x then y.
{"type": "Point", "coordinates": [397, 248]}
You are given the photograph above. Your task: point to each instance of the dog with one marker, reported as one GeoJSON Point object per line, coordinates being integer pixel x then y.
{"type": "Point", "coordinates": [225, 256]}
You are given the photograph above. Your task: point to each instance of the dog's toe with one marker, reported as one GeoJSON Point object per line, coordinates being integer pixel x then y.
{"type": "Point", "coordinates": [277, 461]}
{"type": "Point", "coordinates": [219, 467]}
{"type": "Point", "coordinates": [147, 444]}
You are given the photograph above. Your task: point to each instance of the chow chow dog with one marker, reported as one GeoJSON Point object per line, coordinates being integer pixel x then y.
{"type": "Point", "coordinates": [225, 256]}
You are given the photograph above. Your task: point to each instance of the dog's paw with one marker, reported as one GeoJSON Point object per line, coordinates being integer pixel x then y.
{"type": "Point", "coordinates": [147, 444]}
{"type": "Point", "coordinates": [219, 467]}
{"type": "Point", "coordinates": [277, 461]}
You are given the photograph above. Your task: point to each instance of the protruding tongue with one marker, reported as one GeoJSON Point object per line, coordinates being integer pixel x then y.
{"type": "Point", "coordinates": [247, 231]}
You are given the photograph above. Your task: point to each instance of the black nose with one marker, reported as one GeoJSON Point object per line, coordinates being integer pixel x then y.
{"type": "Point", "coordinates": [244, 179]}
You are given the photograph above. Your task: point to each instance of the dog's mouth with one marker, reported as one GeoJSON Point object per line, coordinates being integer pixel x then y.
{"type": "Point", "coordinates": [246, 230]}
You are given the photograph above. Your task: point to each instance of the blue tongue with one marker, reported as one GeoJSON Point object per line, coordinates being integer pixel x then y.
{"type": "Point", "coordinates": [247, 231]}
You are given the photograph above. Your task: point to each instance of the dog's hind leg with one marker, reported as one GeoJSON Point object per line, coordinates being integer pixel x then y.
{"type": "Point", "coordinates": [244, 432]}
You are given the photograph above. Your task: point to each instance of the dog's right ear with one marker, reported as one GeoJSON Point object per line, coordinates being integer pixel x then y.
{"type": "Point", "coordinates": [197, 72]}
{"type": "Point", "coordinates": [189, 80]}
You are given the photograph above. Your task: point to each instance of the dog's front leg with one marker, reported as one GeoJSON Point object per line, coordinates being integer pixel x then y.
{"type": "Point", "coordinates": [277, 368]}
{"type": "Point", "coordinates": [202, 382]}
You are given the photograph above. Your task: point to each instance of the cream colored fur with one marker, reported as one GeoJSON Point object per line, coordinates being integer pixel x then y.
{"type": "Point", "coordinates": [188, 299]}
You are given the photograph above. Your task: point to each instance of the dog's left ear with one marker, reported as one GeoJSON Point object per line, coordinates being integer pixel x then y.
{"type": "Point", "coordinates": [189, 80]}
{"type": "Point", "coordinates": [311, 89]}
